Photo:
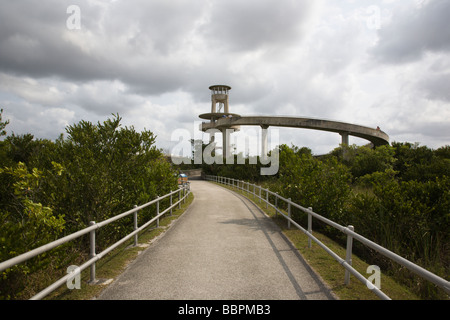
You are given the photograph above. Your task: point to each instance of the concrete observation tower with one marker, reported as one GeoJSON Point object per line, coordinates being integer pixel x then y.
{"type": "Point", "coordinates": [221, 119]}
{"type": "Point", "coordinates": [220, 110]}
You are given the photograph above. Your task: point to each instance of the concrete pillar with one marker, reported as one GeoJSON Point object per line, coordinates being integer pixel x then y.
{"type": "Point", "coordinates": [226, 108]}
{"type": "Point", "coordinates": [213, 104]}
{"type": "Point", "coordinates": [344, 144]}
{"type": "Point", "coordinates": [344, 136]}
{"type": "Point", "coordinates": [226, 148]}
{"type": "Point", "coordinates": [264, 142]}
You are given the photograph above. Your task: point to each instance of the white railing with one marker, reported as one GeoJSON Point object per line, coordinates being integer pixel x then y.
{"type": "Point", "coordinates": [263, 195]}
{"type": "Point", "coordinates": [182, 192]}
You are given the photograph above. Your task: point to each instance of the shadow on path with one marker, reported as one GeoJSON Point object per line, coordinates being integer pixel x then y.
{"type": "Point", "coordinates": [262, 223]}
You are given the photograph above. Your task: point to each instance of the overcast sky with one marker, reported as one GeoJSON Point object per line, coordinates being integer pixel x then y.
{"type": "Point", "coordinates": [373, 63]}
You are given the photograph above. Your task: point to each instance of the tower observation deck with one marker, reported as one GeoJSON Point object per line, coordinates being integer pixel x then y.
{"type": "Point", "coordinates": [220, 110]}
{"type": "Point", "coordinates": [219, 104]}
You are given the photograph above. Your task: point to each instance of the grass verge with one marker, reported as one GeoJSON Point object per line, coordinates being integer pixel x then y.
{"type": "Point", "coordinates": [327, 267]}
{"type": "Point", "coordinates": [112, 265]}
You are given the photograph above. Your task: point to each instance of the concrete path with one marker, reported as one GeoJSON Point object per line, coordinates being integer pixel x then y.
{"type": "Point", "coordinates": [223, 247]}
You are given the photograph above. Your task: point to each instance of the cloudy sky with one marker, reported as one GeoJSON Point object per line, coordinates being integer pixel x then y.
{"type": "Point", "coordinates": [373, 63]}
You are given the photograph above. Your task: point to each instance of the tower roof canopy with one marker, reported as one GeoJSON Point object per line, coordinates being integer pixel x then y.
{"type": "Point", "coordinates": [220, 86]}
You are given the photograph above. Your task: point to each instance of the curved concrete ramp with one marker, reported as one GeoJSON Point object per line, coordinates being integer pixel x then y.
{"type": "Point", "coordinates": [376, 136]}
{"type": "Point", "coordinates": [223, 247]}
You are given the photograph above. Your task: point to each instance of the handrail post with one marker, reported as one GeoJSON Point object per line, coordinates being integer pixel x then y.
{"type": "Point", "coordinates": [289, 213]}
{"type": "Point", "coordinates": [267, 198]}
{"type": "Point", "coordinates": [348, 255]}
{"type": "Point", "coordinates": [179, 198]}
{"type": "Point", "coordinates": [259, 194]}
{"type": "Point", "coordinates": [276, 204]}
{"type": "Point", "coordinates": [157, 212]}
{"type": "Point", "coordinates": [171, 202]}
{"type": "Point", "coordinates": [92, 252]}
{"type": "Point", "coordinates": [135, 218]}
{"type": "Point", "coordinates": [309, 226]}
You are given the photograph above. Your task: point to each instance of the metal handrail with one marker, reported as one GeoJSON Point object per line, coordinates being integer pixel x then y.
{"type": "Point", "coordinates": [91, 230]}
{"type": "Point", "coordinates": [346, 263]}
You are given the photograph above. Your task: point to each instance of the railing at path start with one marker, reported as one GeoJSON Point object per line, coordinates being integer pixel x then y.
{"type": "Point", "coordinates": [182, 192]}
{"type": "Point", "coordinates": [263, 195]}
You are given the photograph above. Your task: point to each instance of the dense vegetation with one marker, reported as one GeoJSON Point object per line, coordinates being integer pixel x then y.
{"type": "Point", "coordinates": [49, 189]}
{"type": "Point", "coordinates": [397, 196]}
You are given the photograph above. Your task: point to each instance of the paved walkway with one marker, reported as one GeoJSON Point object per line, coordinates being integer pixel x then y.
{"type": "Point", "coordinates": [223, 247]}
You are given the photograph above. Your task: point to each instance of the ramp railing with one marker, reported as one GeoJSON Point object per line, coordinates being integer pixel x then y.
{"type": "Point", "coordinates": [263, 195]}
{"type": "Point", "coordinates": [182, 192]}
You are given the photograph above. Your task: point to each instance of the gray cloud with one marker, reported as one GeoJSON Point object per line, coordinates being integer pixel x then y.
{"type": "Point", "coordinates": [251, 25]}
{"type": "Point", "coordinates": [153, 61]}
{"type": "Point", "coordinates": [132, 41]}
{"type": "Point", "coordinates": [32, 43]}
{"type": "Point", "coordinates": [436, 86]}
{"type": "Point", "coordinates": [414, 32]}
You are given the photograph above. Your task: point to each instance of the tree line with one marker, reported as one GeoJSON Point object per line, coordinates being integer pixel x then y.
{"type": "Point", "coordinates": [396, 195]}
{"type": "Point", "coordinates": [49, 189]}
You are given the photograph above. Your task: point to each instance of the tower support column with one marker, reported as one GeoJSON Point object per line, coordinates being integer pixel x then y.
{"type": "Point", "coordinates": [344, 136]}
{"type": "Point", "coordinates": [264, 141]}
{"type": "Point", "coordinates": [344, 144]}
{"type": "Point", "coordinates": [226, 147]}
